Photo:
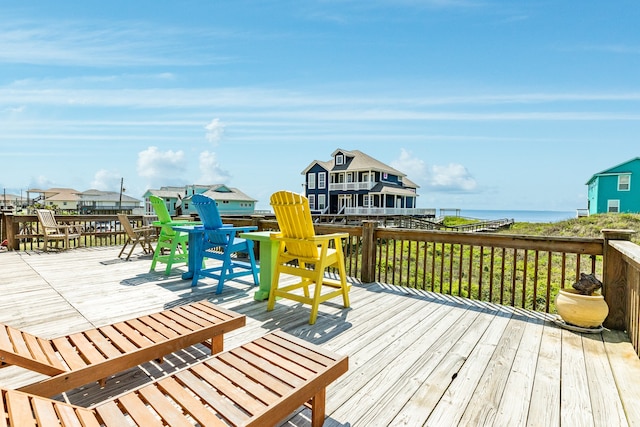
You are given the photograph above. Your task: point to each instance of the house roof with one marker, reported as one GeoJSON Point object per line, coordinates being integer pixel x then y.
{"type": "Point", "coordinates": [220, 192]}
{"type": "Point", "coordinates": [617, 169]}
{"type": "Point", "coordinates": [106, 196]}
{"type": "Point", "coordinates": [389, 188]}
{"type": "Point", "coordinates": [62, 194]}
{"type": "Point", "coordinates": [167, 194]}
{"type": "Point", "coordinates": [359, 161]}
{"type": "Point", "coordinates": [216, 191]}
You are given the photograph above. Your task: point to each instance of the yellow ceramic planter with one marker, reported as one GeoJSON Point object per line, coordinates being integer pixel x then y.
{"type": "Point", "coordinates": [586, 311]}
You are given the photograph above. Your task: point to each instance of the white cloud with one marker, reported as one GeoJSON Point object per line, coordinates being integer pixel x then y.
{"type": "Point", "coordinates": [215, 131]}
{"type": "Point", "coordinates": [415, 168]}
{"type": "Point", "coordinates": [453, 177]}
{"type": "Point", "coordinates": [210, 170]}
{"type": "Point", "coordinates": [106, 180]}
{"type": "Point", "coordinates": [162, 167]}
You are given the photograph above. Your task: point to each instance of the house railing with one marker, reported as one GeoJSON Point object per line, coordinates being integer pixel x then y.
{"type": "Point", "coordinates": [351, 186]}
{"type": "Point", "coordinates": [622, 283]}
{"type": "Point", "coordinates": [513, 270]}
{"type": "Point", "coordinates": [390, 211]}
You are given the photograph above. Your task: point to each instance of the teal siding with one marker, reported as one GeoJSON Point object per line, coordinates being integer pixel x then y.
{"type": "Point", "coordinates": [603, 188]}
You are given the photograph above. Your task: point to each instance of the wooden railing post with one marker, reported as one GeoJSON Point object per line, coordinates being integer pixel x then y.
{"type": "Point", "coordinates": [614, 280]}
{"type": "Point", "coordinates": [11, 228]}
{"type": "Point", "coordinates": [368, 272]}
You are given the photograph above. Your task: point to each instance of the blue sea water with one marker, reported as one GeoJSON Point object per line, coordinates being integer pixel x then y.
{"type": "Point", "coordinates": [518, 216]}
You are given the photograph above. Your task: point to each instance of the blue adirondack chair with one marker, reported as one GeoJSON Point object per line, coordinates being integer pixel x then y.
{"type": "Point", "coordinates": [169, 239]}
{"type": "Point", "coordinates": [220, 242]}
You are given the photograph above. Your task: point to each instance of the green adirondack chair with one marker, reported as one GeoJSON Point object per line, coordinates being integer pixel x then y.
{"type": "Point", "coordinates": [169, 240]}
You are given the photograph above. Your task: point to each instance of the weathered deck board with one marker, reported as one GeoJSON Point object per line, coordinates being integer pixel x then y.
{"type": "Point", "coordinates": [416, 358]}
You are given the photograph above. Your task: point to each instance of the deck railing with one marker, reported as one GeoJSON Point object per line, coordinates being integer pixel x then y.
{"type": "Point", "coordinates": [513, 270]}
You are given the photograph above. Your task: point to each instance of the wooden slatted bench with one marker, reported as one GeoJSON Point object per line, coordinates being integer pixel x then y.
{"type": "Point", "coordinates": [260, 383]}
{"type": "Point", "coordinates": [80, 358]}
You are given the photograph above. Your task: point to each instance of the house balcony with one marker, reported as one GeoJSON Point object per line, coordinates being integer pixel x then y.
{"type": "Point", "coordinates": [351, 186]}
{"type": "Point", "coordinates": [444, 328]}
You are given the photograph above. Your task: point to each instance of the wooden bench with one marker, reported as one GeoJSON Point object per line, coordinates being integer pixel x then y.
{"type": "Point", "coordinates": [260, 383]}
{"type": "Point", "coordinates": [80, 358]}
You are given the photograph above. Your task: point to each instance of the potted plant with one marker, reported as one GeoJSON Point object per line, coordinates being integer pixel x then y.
{"type": "Point", "coordinates": [583, 306]}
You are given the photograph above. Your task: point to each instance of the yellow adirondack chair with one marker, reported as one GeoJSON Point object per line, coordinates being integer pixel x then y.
{"type": "Point", "coordinates": [54, 232]}
{"type": "Point", "coordinates": [313, 253]}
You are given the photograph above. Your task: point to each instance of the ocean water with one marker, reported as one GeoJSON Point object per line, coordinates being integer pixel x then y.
{"type": "Point", "coordinates": [517, 215]}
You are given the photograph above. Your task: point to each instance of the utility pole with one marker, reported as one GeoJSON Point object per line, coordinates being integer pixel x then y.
{"type": "Point", "coordinates": [121, 190]}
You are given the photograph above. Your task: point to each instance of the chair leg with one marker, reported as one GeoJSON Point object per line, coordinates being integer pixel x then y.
{"type": "Point", "coordinates": [131, 250]}
{"type": "Point", "coordinates": [318, 408]}
{"type": "Point", "coordinates": [226, 266]}
{"type": "Point", "coordinates": [315, 302]}
{"type": "Point", "coordinates": [125, 245]}
{"type": "Point", "coordinates": [172, 254]}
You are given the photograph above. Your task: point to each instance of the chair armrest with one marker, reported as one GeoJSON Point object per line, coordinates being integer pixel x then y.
{"type": "Point", "coordinates": [332, 236]}
{"type": "Point", "coordinates": [315, 239]}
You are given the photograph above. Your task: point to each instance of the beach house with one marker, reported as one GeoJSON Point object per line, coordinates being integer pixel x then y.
{"type": "Point", "coordinates": [353, 182]}
{"type": "Point", "coordinates": [612, 190]}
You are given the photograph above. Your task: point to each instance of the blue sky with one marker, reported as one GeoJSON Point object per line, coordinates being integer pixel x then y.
{"type": "Point", "coordinates": [484, 104]}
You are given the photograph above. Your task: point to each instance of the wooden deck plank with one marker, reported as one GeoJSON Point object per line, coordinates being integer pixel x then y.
{"type": "Point", "coordinates": [414, 356]}
{"type": "Point", "coordinates": [516, 398]}
{"type": "Point", "coordinates": [545, 397]}
{"type": "Point", "coordinates": [575, 403]}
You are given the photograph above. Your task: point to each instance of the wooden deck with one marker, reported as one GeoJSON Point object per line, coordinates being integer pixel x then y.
{"type": "Point", "coordinates": [416, 358]}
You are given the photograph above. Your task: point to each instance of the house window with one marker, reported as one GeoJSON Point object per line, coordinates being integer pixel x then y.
{"type": "Point", "coordinates": [367, 201]}
{"type": "Point", "coordinates": [322, 180]}
{"type": "Point", "coordinates": [311, 181]}
{"type": "Point", "coordinates": [624, 182]}
{"type": "Point", "coordinates": [340, 159]}
{"type": "Point", "coordinates": [322, 202]}
{"type": "Point", "coordinates": [613, 206]}
{"type": "Point", "coordinates": [312, 202]}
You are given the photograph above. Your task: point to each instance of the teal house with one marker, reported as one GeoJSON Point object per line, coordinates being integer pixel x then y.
{"type": "Point", "coordinates": [613, 190]}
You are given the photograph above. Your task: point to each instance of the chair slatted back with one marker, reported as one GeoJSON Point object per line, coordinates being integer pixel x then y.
{"type": "Point", "coordinates": [124, 220]}
{"type": "Point", "coordinates": [294, 219]}
{"type": "Point", "coordinates": [163, 215]}
{"type": "Point", "coordinates": [48, 220]}
{"type": "Point", "coordinates": [210, 217]}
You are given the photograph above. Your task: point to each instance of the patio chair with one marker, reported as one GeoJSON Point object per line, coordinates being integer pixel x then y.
{"type": "Point", "coordinates": [306, 255]}
{"type": "Point", "coordinates": [92, 355]}
{"type": "Point", "coordinates": [139, 235]}
{"type": "Point", "coordinates": [54, 232]}
{"type": "Point", "coordinates": [174, 242]}
{"type": "Point", "coordinates": [220, 242]}
{"type": "Point", "coordinates": [260, 384]}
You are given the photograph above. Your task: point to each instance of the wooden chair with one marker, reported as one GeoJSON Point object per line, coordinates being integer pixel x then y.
{"type": "Point", "coordinates": [305, 255]}
{"type": "Point", "coordinates": [80, 358]}
{"type": "Point", "coordinates": [54, 232]}
{"type": "Point", "coordinates": [260, 384]}
{"type": "Point", "coordinates": [220, 242]}
{"type": "Point", "coordinates": [142, 235]}
{"type": "Point", "coordinates": [173, 241]}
